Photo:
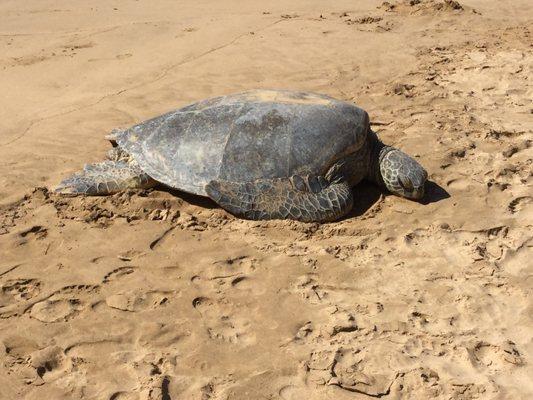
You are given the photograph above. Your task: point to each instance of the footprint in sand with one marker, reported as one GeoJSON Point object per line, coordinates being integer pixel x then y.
{"type": "Point", "coordinates": [309, 289]}
{"type": "Point", "coordinates": [291, 392]}
{"type": "Point", "coordinates": [64, 304]}
{"type": "Point", "coordinates": [459, 184]}
{"type": "Point", "coordinates": [19, 290]}
{"type": "Point", "coordinates": [232, 273]}
{"type": "Point", "coordinates": [517, 262]}
{"type": "Point", "coordinates": [18, 346]}
{"type": "Point", "coordinates": [221, 321]}
{"type": "Point", "coordinates": [494, 358]}
{"type": "Point", "coordinates": [138, 300]}
{"type": "Point", "coordinates": [15, 352]}
{"type": "Point", "coordinates": [38, 366]}
{"type": "Point", "coordinates": [243, 283]}
{"type": "Point", "coordinates": [519, 204]}
{"type": "Point", "coordinates": [50, 363]}
{"type": "Point", "coordinates": [118, 273]}
{"type": "Point", "coordinates": [362, 372]}
{"type": "Point", "coordinates": [157, 335]}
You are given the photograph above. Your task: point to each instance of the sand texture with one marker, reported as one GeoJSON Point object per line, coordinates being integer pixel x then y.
{"type": "Point", "coordinates": [158, 295]}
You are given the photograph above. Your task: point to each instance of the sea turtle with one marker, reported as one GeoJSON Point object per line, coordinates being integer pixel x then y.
{"type": "Point", "coordinates": [261, 154]}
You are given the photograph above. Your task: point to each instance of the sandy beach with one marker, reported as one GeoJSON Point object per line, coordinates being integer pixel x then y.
{"type": "Point", "coordinates": [161, 295]}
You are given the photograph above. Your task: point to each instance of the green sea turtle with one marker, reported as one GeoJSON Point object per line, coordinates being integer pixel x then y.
{"type": "Point", "coordinates": [262, 154]}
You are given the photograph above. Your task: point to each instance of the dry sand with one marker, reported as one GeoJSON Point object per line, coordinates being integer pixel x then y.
{"type": "Point", "coordinates": [158, 295]}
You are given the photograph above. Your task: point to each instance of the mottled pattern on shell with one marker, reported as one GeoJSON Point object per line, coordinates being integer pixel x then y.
{"type": "Point", "coordinates": [260, 134]}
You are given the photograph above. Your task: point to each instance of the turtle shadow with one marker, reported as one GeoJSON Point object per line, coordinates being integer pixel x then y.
{"type": "Point", "coordinates": [193, 199]}
{"type": "Point", "coordinates": [365, 195]}
{"type": "Point", "coordinates": [434, 193]}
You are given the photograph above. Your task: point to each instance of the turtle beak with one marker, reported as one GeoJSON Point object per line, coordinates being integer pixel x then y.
{"type": "Point", "coordinates": [410, 190]}
{"type": "Point", "coordinates": [418, 193]}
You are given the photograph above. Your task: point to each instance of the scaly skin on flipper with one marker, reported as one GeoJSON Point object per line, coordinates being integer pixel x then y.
{"type": "Point", "coordinates": [307, 199]}
{"type": "Point", "coordinates": [106, 177]}
{"type": "Point", "coordinates": [117, 154]}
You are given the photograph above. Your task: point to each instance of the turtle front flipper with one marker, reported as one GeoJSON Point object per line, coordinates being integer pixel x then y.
{"type": "Point", "coordinates": [106, 177]}
{"type": "Point", "coordinates": [307, 199]}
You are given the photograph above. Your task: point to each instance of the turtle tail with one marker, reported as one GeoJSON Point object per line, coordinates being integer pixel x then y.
{"type": "Point", "coordinates": [106, 177]}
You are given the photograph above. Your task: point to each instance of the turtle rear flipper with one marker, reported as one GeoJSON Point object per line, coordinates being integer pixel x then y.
{"type": "Point", "coordinates": [307, 199]}
{"type": "Point", "coordinates": [106, 177]}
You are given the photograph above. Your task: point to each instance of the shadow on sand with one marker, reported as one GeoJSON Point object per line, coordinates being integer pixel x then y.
{"type": "Point", "coordinates": [195, 200]}
{"type": "Point", "coordinates": [434, 193]}
{"type": "Point", "coordinates": [366, 194]}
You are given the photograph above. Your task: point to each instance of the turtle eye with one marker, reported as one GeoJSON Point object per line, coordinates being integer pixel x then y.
{"type": "Point", "coordinates": [406, 183]}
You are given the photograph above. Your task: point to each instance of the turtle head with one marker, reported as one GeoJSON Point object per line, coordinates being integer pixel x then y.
{"type": "Point", "coordinates": [401, 174]}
